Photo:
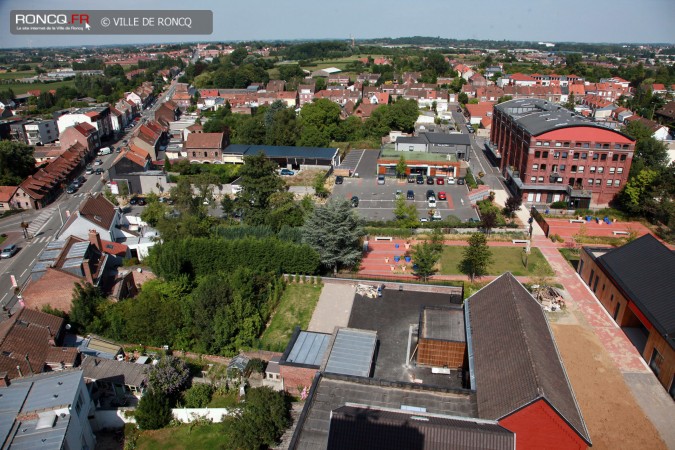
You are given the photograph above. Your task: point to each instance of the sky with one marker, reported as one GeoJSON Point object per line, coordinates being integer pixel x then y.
{"type": "Point", "coordinates": [616, 21]}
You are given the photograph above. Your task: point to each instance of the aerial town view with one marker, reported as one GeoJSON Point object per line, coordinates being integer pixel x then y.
{"type": "Point", "coordinates": [360, 225]}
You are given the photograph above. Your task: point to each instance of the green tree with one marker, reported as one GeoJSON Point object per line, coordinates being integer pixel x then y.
{"type": "Point", "coordinates": [477, 257]}
{"type": "Point", "coordinates": [87, 299]}
{"type": "Point", "coordinates": [489, 220]}
{"type": "Point", "coordinates": [259, 180]}
{"type": "Point", "coordinates": [425, 258]}
{"type": "Point", "coordinates": [463, 98]}
{"type": "Point", "coordinates": [401, 167]}
{"type": "Point", "coordinates": [261, 423]}
{"type": "Point", "coordinates": [571, 102]}
{"type": "Point", "coordinates": [651, 152]}
{"type": "Point", "coordinates": [153, 411]}
{"type": "Point", "coordinates": [636, 191]}
{"type": "Point", "coordinates": [512, 205]}
{"type": "Point", "coordinates": [320, 121]}
{"type": "Point", "coordinates": [198, 396]}
{"type": "Point", "coordinates": [334, 231]}
{"type": "Point", "coordinates": [153, 213]}
{"type": "Point", "coordinates": [405, 213]}
{"type": "Point", "coordinates": [16, 162]}
{"type": "Point", "coordinates": [238, 55]}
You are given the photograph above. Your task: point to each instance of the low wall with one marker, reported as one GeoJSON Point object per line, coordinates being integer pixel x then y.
{"type": "Point", "coordinates": [112, 419]}
{"type": "Point", "coordinates": [187, 415]}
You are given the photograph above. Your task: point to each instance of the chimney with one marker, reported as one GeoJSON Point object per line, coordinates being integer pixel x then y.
{"type": "Point", "coordinates": [95, 239]}
{"type": "Point", "coordinates": [86, 267]}
{"type": "Point", "coordinates": [4, 379]}
{"type": "Point", "coordinates": [18, 368]}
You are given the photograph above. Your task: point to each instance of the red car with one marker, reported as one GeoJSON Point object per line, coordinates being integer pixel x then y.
{"type": "Point", "coordinates": [442, 196]}
{"type": "Point", "coordinates": [440, 181]}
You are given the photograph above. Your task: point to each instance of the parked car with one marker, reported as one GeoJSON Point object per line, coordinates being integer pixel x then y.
{"type": "Point", "coordinates": [442, 196]}
{"type": "Point", "coordinates": [460, 180]}
{"type": "Point", "coordinates": [71, 188]}
{"type": "Point", "coordinates": [430, 180]}
{"type": "Point", "coordinates": [412, 178]}
{"type": "Point", "coordinates": [432, 202]}
{"type": "Point", "coordinates": [431, 193]}
{"type": "Point", "coordinates": [89, 170]}
{"type": "Point", "coordinates": [104, 151]}
{"type": "Point", "coordinates": [420, 179]}
{"type": "Point", "coordinates": [399, 193]}
{"type": "Point", "coordinates": [141, 202]}
{"type": "Point", "coordinates": [286, 172]}
{"type": "Point", "coordinates": [9, 251]}
{"type": "Point", "coordinates": [470, 128]}
{"type": "Point", "coordinates": [410, 195]}
{"type": "Point", "coordinates": [439, 180]}
{"type": "Point", "coordinates": [98, 171]}
{"type": "Point", "coordinates": [339, 179]}
{"type": "Point", "coordinates": [133, 201]}
{"type": "Point", "coordinates": [451, 180]}
{"type": "Point", "coordinates": [436, 215]}
{"type": "Point", "coordinates": [98, 162]}
{"type": "Point", "coordinates": [380, 179]}
{"type": "Point", "coordinates": [355, 201]}
{"type": "Point", "coordinates": [81, 180]}
{"type": "Point", "coordinates": [423, 219]}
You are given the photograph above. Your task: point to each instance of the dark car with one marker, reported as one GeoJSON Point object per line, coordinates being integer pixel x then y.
{"type": "Point", "coordinates": [420, 179]}
{"type": "Point", "coordinates": [71, 189]}
{"type": "Point", "coordinates": [81, 180]}
{"type": "Point", "coordinates": [98, 171]}
{"type": "Point", "coordinates": [339, 179]}
{"type": "Point", "coordinates": [430, 193]}
{"type": "Point", "coordinates": [410, 195]}
{"type": "Point", "coordinates": [430, 180]}
{"type": "Point", "coordinates": [355, 201]}
{"type": "Point", "coordinates": [460, 180]}
{"type": "Point", "coordinates": [286, 172]}
{"type": "Point", "coordinates": [412, 178]}
{"type": "Point", "coordinates": [133, 201]}
{"type": "Point", "coordinates": [141, 202]}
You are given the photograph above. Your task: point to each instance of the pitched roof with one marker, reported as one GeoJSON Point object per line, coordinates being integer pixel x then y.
{"type": "Point", "coordinates": [205, 140]}
{"type": "Point", "coordinates": [112, 371]}
{"type": "Point", "coordinates": [644, 270]}
{"type": "Point", "coordinates": [54, 288]}
{"type": "Point", "coordinates": [515, 359]}
{"type": "Point", "coordinates": [356, 426]}
{"type": "Point", "coordinates": [480, 109]}
{"type": "Point", "coordinates": [7, 192]}
{"type": "Point", "coordinates": [97, 209]}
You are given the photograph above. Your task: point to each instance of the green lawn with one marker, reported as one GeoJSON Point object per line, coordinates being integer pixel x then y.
{"type": "Point", "coordinates": [223, 400]}
{"type": "Point", "coordinates": [340, 63]}
{"type": "Point", "coordinates": [22, 88]}
{"type": "Point", "coordinates": [505, 259]}
{"type": "Point", "coordinates": [16, 75]}
{"type": "Point", "coordinates": [295, 309]}
{"type": "Point", "coordinates": [182, 437]}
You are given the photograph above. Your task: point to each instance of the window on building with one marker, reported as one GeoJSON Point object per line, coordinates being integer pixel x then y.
{"type": "Point", "coordinates": [590, 181]}
{"type": "Point", "coordinates": [655, 362]}
{"type": "Point", "coordinates": [206, 154]}
{"type": "Point", "coordinates": [566, 144]}
{"type": "Point", "coordinates": [564, 155]}
{"type": "Point", "coordinates": [194, 154]}
{"type": "Point", "coordinates": [622, 158]}
{"type": "Point", "coordinates": [573, 169]}
{"type": "Point", "coordinates": [544, 155]}
{"type": "Point", "coordinates": [617, 146]}
{"type": "Point", "coordinates": [601, 169]}
{"type": "Point", "coordinates": [615, 157]}
{"type": "Point", "coordinates": [598, 146]}
{"type": "Point", "coordinates": [546, 144]}
{"type": "Point", "coordinates": [543, 167]}
{"type": "Point", "coordinates": [619, 170]}
{"type": "Point", "coordinates": [576, 156]}
{"type": "Point", "coordinates": [554, 168]}
{"type": "Point", "coordinates": [587, 145]}
{"type": "Point", "coordinates": [538, 144]}
{"type": "Point", "coordinates": [537, 154]}
{"type": "Point", "coordinates": [611, 170]}
{"type": "Point", "coordinates": [598, 181]}
{"type": "Point", "coordinates": [558, 144]}
{"type": "Point", "coordinates": [535, 166]}
{"type": "Point", "coordinates": [591, 169]}
{"type": "Point", "coordinates": [581, 169]}
{"type": "Point", "coordinates": [617, 183]}
{"type": "Point", "coordinates": [625, 147]}
{"type": "Point", "coordinates": [603, 157]}
{"type": "Point", "coordinates": [562, 167]}
{"type": "Point", "coordinates": [605, 145]}
{"type": "Point", "coordinates": [533, 179]}
{"type": "Point", "coordinates": [609, 183]}
{"type": "Point", "coordinates": [556, 155]}
{"type": "Point", "coordinates": [584, 155]}
{"type": "Point", "coordinates": [578, 144]}
{"type": "Point", "coordinates": [596, 156]}
{"type": "Point", "coordinates": [541, 179]}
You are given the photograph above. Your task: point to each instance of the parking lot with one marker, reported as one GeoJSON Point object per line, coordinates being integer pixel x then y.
{"type": "Point", "coordinates": [377, 202]}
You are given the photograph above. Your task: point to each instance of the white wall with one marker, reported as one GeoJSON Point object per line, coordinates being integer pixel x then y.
{"type": "Point", "coordinates": [115, 418]}
{"type": "Point", "coordinates": [80, 228]}
{"type": "Point", "coordinates": [187, 415]}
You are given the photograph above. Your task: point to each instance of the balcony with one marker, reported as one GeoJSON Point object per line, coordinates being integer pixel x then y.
{"type": "Point", "coordinates": [577, 192]}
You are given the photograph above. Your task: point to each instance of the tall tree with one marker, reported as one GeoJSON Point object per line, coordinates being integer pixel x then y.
{"type": "Point", "coordinates": [425, 257]}
{"type": "Point", "coordinates": [259, 180]}
{"type": "Point", "coordinates": [401, 167]}
{"type": "Point", "coordinates": [170, 376]}
{"type": "Point", "coordinates": [87, 300]}
{"type": "Point", "coordinates": [16, 162]}
{"type": "Point", "coordinates": [477, 257]}
{"type": "Point", "coordinates": [335, 232]}
{"type": "Point", "coordinates": [153, 411]}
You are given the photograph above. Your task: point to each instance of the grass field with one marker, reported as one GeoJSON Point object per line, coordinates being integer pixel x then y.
{"type": "Point", "coordinates": [295, 309]}
{"type": "Point", "coordinates": [504, 259]}
{"type": "Point", "coordinates": [181, 437]}
{"type": "Point", "coordinates": [16, 75]}
{"type": "Point", "coordinates": [223, 400]}
{"type": "Point", "coordinates": [340, 63]}
{"type": "Point", "coordinates": [22, 88]}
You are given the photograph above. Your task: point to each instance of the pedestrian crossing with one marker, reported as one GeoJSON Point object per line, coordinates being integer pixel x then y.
{"type": "Point", "coordinates": [41, 239]}
{"type": "Point", "coordinates": [39, 221]}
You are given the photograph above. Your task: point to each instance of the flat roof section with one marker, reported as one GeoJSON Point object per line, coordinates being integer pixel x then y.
{"type": "Point", "coordinates": [308, 348]}
{"type": "Point", "coordinates": [443, 324]}
{"type": "Point", "coordinates": [352, 352]}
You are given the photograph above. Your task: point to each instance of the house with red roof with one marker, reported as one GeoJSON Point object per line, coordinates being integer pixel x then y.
{"type": "Point", "coordinates": [6, 197]}
{"type": "Point", "coordinates": [476, 112]}
{"type": "Point", "coordinates": [82, 133]}
{"type": "Point", "coordinates": [659, 89]}
{"type": "Point", "coordinates": [206, 147]}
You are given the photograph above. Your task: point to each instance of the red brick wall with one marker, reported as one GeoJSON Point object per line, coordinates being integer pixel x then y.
{"type": "Point", "coordinates": [441, 353]}
{"type": "Point", "coordinates": [295, 377]}
{"type": "Point", "coordinates": [539, 426]}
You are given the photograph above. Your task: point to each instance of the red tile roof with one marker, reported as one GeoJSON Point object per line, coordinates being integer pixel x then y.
{"type": "Point", "coordinates": [54, 288]}
{"type": "Point", "coordinates": [6, 193]}
{"type": "Point", "coordinates": [481, 109]}
{"type": "Point", "coordinates": [114, 248]}
{"type": "Point", "coordinates": [97, 209]}
{"type": "Point", "coordinates": [205, 140]}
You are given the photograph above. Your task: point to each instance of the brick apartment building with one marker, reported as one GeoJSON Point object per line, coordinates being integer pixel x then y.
{"type": "Point", "coordinates": [635, 285]}
{"type": "Point", "coordinates": [550, 154]}
{"type": "Point", "coordinates": [206, 147]}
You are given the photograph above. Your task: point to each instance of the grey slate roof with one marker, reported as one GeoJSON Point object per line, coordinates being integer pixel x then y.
{"type": "Point", "coordinates": [436, 139]}
{"type": "Point", "coordinates": [538, 116]}
{"type": "Point", "coordinates": [446, 324]}
{"type": "Point", "coordinates": [307, 348]}
{"type": "Point", "coordinates": [330, 392]}
{"type": "Point", "coordinates": [645, 270]}
{"type": "Point", "coordinates": [515, 359]}
{"type": "Point", "coordinates": [358, 427]}
{"type": "Point", "coordinates": [118, 372]}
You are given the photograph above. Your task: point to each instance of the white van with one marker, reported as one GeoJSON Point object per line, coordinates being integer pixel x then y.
{"type": "Point", "coordinates": [104, 151]}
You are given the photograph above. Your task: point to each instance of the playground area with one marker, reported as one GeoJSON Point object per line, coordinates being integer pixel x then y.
{"type": "Point", "coordinates": [594, 226]}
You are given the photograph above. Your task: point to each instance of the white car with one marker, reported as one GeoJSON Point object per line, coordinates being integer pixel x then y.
{"type": "Point", "coordinates": [451, 180]}
{"type": "Point", "coordinates": [432, 202]}
{"type": "Point", "coordinates": [104, 151]}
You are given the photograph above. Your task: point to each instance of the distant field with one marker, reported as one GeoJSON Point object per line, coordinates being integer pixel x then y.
{"type": "Point", "coordinates": [22, 88]}
{"type": "Point", "coordinates": [16, 75]}
{"type": "Point", "coordinates": [340, 63]}
{"type": "Point", "coordinates": [504, 259]}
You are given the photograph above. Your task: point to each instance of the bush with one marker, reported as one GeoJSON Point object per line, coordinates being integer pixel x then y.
{"type": "Point", "coordinates": [470, 180]}
{"type": "Point", "coordinates": [255, 365]}
{"type": "Point", "coordinates": [198, 396]}
{"type": "Point", "coordinates": [562, 204]}
{"type": "Point", "coordinates": [153, 411]}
